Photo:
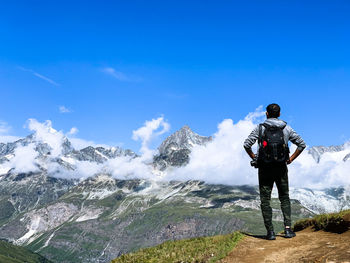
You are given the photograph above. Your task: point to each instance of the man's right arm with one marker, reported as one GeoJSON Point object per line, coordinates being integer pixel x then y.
{"type": "Point", "coordinates": [249, 142]}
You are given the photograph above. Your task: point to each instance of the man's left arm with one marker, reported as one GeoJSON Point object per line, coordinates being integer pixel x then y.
{"type": "Point", "coordinates": [299, 142]}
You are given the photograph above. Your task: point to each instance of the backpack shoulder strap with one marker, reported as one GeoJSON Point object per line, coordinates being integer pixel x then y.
{"type": "Point", "coordinates": [266, 125]}
{"type": "Point", "coordinates": [260, 132]}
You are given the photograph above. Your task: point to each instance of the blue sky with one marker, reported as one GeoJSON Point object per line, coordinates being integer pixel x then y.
{"type": "Point", "coordinates": [115, 64]}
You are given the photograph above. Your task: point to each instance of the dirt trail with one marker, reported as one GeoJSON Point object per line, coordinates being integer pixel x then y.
{"type": "Point", "coordinates": [307, 246]}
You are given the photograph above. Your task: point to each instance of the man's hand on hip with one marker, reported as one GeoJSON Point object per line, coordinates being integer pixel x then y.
{"type": "Point", "coordinates": [294, 156]}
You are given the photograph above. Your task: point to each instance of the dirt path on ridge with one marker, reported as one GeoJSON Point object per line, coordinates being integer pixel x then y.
{"type": "Point", "coordinates": [307, 246]}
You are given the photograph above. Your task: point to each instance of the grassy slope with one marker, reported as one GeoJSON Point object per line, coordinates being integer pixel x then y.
{"type": "Point", "coordinates": [201, 249]}
{"type": "Point", "coordinates": [211, 249]}
{"type": "Point", "coordinates": [14, 254]}
{"type": "Point", "coordinates": [333, 222]}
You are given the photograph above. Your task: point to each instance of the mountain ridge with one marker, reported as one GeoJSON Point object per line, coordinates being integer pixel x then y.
{"type": "Point", "coordinates": [99, 217]}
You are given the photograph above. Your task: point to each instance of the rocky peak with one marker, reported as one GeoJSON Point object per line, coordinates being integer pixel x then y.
{"type": "Point", "coordinates": [100, 154]}
{"type": "Point", "coordinates": [184, 138]}
{"type": "Point", "coordinates": [318, 151]}
{"type": "Point", "coordinates": [175, 150]}
{"type": "Point", "coordinates": [63, 151]}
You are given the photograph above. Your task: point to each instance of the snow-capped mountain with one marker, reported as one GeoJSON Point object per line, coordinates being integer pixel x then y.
{"type": "Point", "coordinates": [100, 154]}
{"type": "Point", "coordinates": [97, 218]}
{"type": "Point", "coordinates": [321, 201]}
{"type": "Point", "coordinates": [42, 147]}
{"type": "Point", "coordinates": [175, 150]}
{"type": "Point", "coordinates": [46, 153]}
{"type": "Point", "coordinates": [318, 151]}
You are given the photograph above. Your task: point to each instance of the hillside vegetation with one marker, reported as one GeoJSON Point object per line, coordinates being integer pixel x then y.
{"type": "Point", "coordinates": [201, 249]}
{"type": "Point", "coordinates": [14, 254]}
{"type": "Point", "coordinates": [216, 248]}
{"type": "Point", "coordinates": [333, 222]}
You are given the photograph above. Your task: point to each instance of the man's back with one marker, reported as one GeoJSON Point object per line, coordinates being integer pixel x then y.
{"type": "Point", "coordinates": [288, 132]}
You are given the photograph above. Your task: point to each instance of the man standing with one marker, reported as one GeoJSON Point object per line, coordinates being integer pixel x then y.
{"type": "Point", "coordinates": [272, 158]}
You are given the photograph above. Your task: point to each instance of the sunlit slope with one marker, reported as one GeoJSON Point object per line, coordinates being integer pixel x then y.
{"type": "Point", "coordinates": [201, 249]}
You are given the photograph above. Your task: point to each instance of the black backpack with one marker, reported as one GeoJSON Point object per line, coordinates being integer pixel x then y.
{"type": "Point", "coordinates": [272, 147]}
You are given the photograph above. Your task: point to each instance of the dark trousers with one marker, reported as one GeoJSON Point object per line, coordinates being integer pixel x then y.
{"type": "Point", "coordinates": [268, 175]}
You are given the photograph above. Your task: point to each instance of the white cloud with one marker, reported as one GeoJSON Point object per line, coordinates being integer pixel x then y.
{"type": "Point", "coordinates": [24, 159]}
{"type": "Point", "coordinates": [146, 133]}
{"type": "Point", "coordinates": [45, 133]}
{"type": "Point", "coordinates": [223, 160]}
{"type": "Point", "coordinates": [73, 130]}
{"type": "Point", "coordinates": [63, 109]}
{"type": "Point", "coordinates": [127, 168]}
{"type": "Point", "coordinates": [120, 75]}
{"type": "Point", "coordinates": [330, 171]}
{"type": "Point", "coordinates": [40, 76]}
{"type": "Point", "coordinates": [116, 74]}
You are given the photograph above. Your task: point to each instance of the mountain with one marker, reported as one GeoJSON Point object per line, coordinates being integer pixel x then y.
{"type": "Point", "coordinates": [175, 150]}
{"type": "Point", "coordinates": [59, 156]}
{"type": "Point", "coordinates": [305, 247]}
{"type": "Point", "coordinates": [10, 253]}
{"type": "Point", "coordinates": [322, 201]}
{"type": "Point", "coordinates": [101, 218]}
{"type": "Point", "coordinates": [100, 154]}
{"type": "Point", "coordinates": [96, 218]}
{"type": "Point", "coordinates": [318, 151]}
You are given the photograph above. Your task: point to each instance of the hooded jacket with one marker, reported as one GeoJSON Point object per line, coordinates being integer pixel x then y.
{"type": "Point", "coordinates": [288, 132]}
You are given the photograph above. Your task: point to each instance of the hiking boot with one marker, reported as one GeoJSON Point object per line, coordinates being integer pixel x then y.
{"type": "Point", "coordinates": [288, 233]}
{"type": "Point", "coordinates": [270, 235]}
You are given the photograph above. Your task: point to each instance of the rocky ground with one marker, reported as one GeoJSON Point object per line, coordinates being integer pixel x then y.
{"type": "Point", "coordinates": [307, 246]}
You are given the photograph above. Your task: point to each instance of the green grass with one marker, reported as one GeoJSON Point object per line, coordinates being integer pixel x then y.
{"type": "Point", "coordinates": [200, 249]}
{"type": "Point", "coordinates": [14, 254]}
{"type": "Point", "coordinates": [333, 222]}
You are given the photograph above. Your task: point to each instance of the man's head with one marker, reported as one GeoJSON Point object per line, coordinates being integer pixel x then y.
{"type": "Point", "coordinates": [273, 111]}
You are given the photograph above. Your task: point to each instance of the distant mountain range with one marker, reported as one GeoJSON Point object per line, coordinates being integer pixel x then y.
{"type": "Point", "coordinates": [98, 218]}
{"type": "Point", "coordinates": [318, 151]}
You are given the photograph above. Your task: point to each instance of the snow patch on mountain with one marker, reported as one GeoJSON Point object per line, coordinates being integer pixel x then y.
{"type": "Point", "coordinates": [33, 228]}
{"type": "Point", "coordinates": [44, 219]}
{"type": "Point", "coordinates": [89, 214]}
{"type": "Point", "coordinates": [319, 201]}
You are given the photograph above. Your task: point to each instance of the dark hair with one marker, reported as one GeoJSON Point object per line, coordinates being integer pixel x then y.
{"type": "Point", "coordinates": [273, 110]}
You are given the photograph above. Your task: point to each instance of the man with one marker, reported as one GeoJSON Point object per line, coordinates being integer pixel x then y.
{"type": "Point", "coordinates": [272, 159]}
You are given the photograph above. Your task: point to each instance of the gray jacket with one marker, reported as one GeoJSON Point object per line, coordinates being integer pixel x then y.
{"type": "Point", "coordinates": [289, 134]}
